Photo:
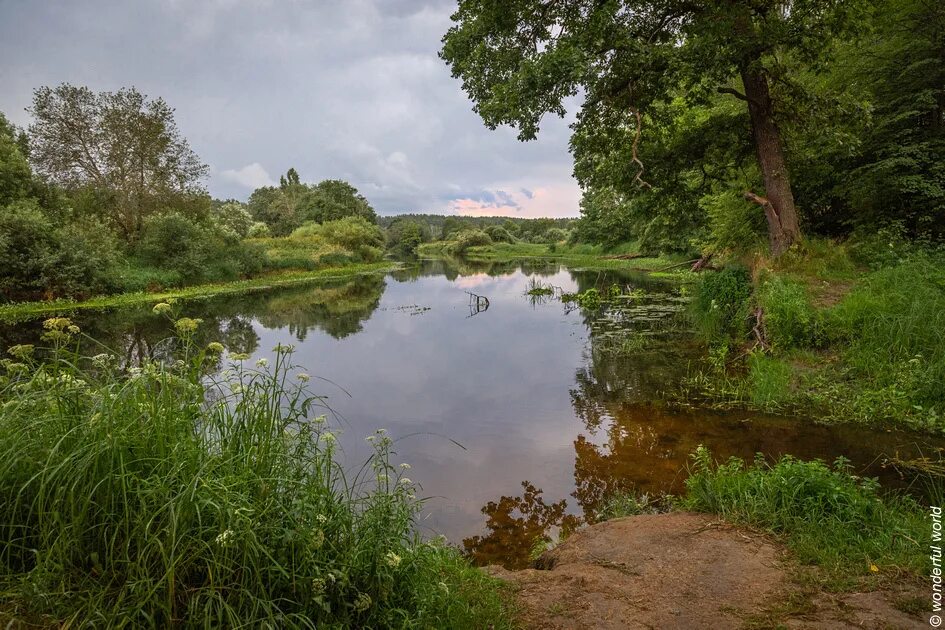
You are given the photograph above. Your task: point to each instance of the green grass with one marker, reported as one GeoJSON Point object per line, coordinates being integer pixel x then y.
{"type": "Point", "coordinates": [162, 496]}
{"type": "Point", "coordinates": [873, 353]}
{"type": "Point", "coordinates": [827, 516]}
{"type": "Point", "coordinates": [578, 256]}
{"type": "Point", "coordinates": [26, 310]}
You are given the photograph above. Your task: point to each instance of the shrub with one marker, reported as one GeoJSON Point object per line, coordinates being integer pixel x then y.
{"type": "Point", "coordinates": [159, 497]}
{"type": "Point", "coordinates": [466, 239]}
{"type": "Point", "coordinates": [40, 258]}
{"type": "Point", "coordinates": [722, 302]}
{"type": "Point", "coordinates": [555, 235]}
{"type": "Point", "coordinates": [197, 252]}
{"type": "Point", "coordinates": [233, 217]}
{"type": "Point", "coordinates": [258, 230]}
{"type": "Point", "coordinates": [28, 250]}
{"type": "Point", "coordinates": [499, 234]}
{"type": "Point", "coordinates": [355, 234]}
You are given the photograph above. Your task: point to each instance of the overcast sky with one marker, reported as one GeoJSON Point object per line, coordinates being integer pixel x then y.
{"type": "Point", "coordinates": [348, 89]}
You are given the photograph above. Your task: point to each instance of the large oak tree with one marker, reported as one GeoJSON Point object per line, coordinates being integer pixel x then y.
{"type": "Point", "coordinates": [522, 59]}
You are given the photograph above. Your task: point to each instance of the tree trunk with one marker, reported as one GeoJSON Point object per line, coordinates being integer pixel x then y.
{"type": "Point", "coordinates": [778, 204]}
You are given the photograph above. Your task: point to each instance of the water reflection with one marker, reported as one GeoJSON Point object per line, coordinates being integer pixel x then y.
{"type": "Point", "coordinates": [135, 334]}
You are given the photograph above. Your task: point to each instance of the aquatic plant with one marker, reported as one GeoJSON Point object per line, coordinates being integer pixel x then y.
{"type": "Point", "coordinates": [157, 497]}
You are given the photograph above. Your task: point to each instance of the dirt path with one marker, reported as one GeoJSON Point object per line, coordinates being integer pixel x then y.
{"type": "Point", "coordinates": [678, 570]}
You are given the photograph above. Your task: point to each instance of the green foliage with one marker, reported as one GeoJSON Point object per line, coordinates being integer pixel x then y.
{"type": "Point", "coordinates": [826, 514]}
{"type": "Point", "coordinates": [16, 178]}
{"type": "Point", "coordinates": [258, 229]}
{"type": "Point", "coordinates": [894, 325]}
{"type": "Point", "coordinates": [735, 225]}
{"type": "Point", "coordinates": [156, 496]}
{"type": "Point", "coordinates": [722, 301]}
{"type": "Point", "coordinates": [39, 258]}
{"type": "Point", "coordinates": [293, 203]}
{"type": "Point", "coordinates": [233, 217]}
{"type": "Point", "coordinates": [790, 319]}
{"type": "Point", "coordinates": [770, 381]}
{"type": "Point", "coordinates": [499, 234]}
{"type": "Point", "coordinates": [355, 234]}
{"type": "Point", "coordinates": [196, 251]}
{"type": "Point", "coordinates": [466, 239]}
{"type": "Point", "coordinates": [404, 236]}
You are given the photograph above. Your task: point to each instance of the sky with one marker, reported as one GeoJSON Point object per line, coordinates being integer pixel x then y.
{"type": "Point", "coordinates": [349, 89]}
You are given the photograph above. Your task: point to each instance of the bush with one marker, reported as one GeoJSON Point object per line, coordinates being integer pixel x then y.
{"type": "Point", "coordinates": [197, 252]}
{"type": "Point", "coordinates": [499, 234]}
{"type": "Point", "coordinates": [258, 230]}
{"type": "Point", "coordinates": [28, 249]}
{"type": "Point", "coordinates": [359, 236]}
{"type": "Point", "coordinates": [722, 302]}
{"type": "Point", "coordinates": [40, 259]}
{"type": "Point", "coordinates": [466, 239]}
{"type": "Point", "coordinates": [158, 497]}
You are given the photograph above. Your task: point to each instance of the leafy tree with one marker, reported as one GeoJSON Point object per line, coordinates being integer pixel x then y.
{"type": "Point", "coordinates": [118, 142]}
{"type": "Point", "coordinates": [522, 59]}
{"type": "Point", "coordinates": [333, 199]}
{"type": "Point", "coordinates": [293, 203]}
{"type": "Point", "coordinates": [15, 175]}
{"type": "Point", "coordinates": [404, 236]}
{"type": "Point", "coordinates": [899, 173]}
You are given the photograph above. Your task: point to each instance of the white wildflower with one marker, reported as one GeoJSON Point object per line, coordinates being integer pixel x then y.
{"type": "Point", "coordinates": [225, 538]}
{"type": "Point", "coordinates": [392, 559]}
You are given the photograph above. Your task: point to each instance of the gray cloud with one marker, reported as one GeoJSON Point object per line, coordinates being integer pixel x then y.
{"type": "Point", "coordinates": [351, 90]}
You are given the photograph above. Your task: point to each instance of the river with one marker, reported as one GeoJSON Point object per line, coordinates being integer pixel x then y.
{"type": "Point", "coordinates": [511, 417]}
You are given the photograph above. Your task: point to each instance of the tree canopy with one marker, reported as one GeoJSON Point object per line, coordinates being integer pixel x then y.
{"type": "Point", "coordinates": [292, 203]}
{"type": "Point", "coordinates": [627, 61]}
{"type": "Point", "coordinates": [118, 142]}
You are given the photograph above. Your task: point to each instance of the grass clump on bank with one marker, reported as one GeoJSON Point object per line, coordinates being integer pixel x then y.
{"type": "Point", "coordinates": [162, 496]}
{"type": "Point", "coordinates": [825, 514]}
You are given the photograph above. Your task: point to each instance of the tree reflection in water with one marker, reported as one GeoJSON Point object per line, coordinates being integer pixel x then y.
{"type": "Point", "coordinates": [516, 525]}
{"type": "Point", "coordinates": [136, 334]}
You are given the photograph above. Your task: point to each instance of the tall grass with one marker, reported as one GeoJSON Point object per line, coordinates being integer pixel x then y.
{"type": "Point", "coordinates": [163, 496]}
{"type": "Point", "coordinates": [827, 515]}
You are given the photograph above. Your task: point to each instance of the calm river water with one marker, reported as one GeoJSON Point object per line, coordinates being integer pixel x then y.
{"type": "Point", "coordinates": [510, 417]}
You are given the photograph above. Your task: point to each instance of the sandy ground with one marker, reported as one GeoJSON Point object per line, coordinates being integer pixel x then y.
{"type": "Point", "coordinates": [680, 570]}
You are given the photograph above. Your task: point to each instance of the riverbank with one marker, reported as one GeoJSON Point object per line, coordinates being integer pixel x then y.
{"type": "Point", "coordinates": [783, 544]}
{"type": "Point", "coordinates": [576, 256]}
{"type": "Point", "coordinates": [826, 334]}
{"type": "Point", "coordinates": [11, 313]}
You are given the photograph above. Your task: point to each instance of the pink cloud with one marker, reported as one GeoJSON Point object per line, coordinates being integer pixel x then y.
{"type": "Point", "coordinates": [547, 201]}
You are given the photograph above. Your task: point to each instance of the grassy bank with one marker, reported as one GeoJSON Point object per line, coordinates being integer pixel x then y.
{"type": "Point", "coordinates": [821, 334]}
{"type": "Point", "coordinates": [583, 256]}
{"type": "Point", "coordinates": [855, 535]}
{"type": "Point", "coordinates": [162, 497]}
{"type": "Point", "coordinates": [26, 310]}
